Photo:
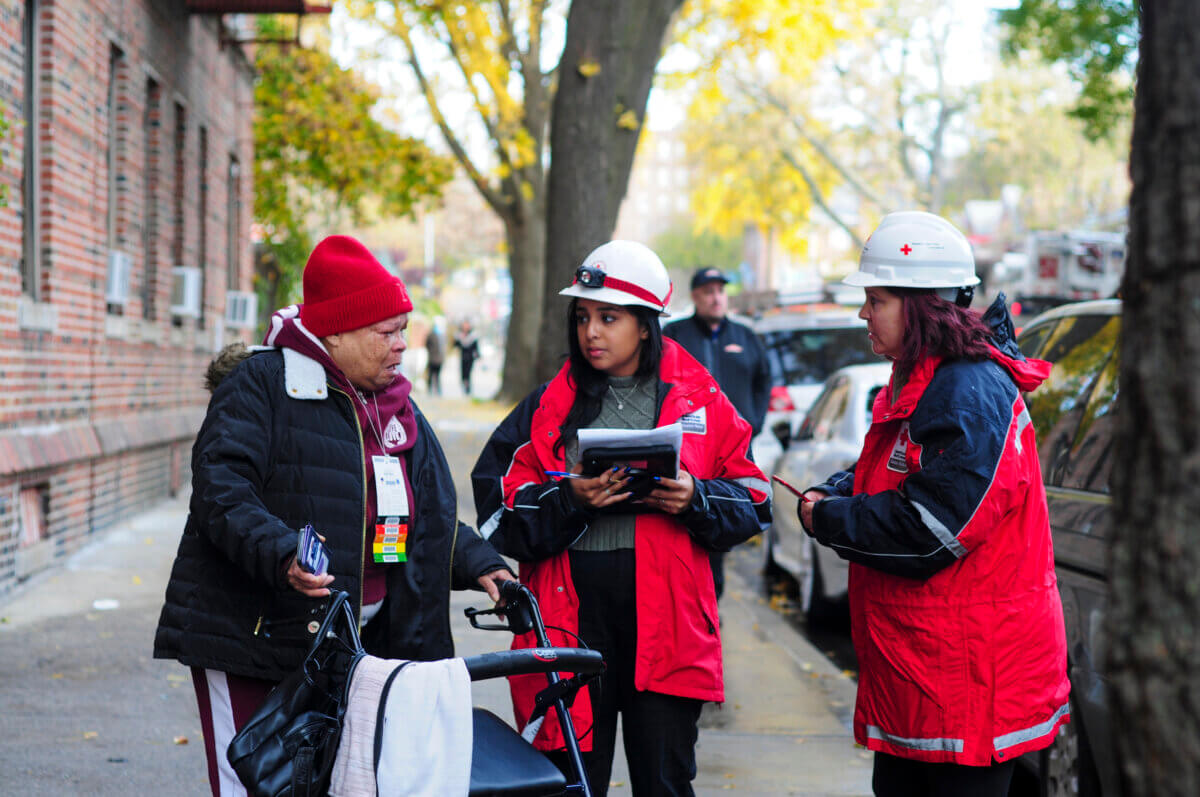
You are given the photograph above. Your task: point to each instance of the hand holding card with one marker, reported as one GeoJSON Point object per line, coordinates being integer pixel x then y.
{"type": "Point", "coordinates": [310, 551]}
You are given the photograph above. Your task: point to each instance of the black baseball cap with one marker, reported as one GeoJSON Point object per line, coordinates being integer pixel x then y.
{"type": "Point", "coordinates": [707, 274]}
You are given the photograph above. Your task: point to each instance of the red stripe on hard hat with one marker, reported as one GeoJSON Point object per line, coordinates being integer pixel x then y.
{"type": "Point", "coordinates": [635, 290]}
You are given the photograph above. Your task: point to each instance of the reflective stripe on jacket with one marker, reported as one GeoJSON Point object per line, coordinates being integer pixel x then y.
{"type": "Point", "coordinates": [957, 620]}
{"type": "Point", "coordinates": [678, 638]}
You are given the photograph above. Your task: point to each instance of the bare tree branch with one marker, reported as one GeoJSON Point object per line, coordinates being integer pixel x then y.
{"type": "Point", "coordinates": [510, 33]}
{"type": "Point", "coordinates": [817, 197]}
{"type": "Point", "coordinates": [490, 195]}
{"type": "Point", "coordinates": [490, 124]}
{"type": "Point", "coordinates": [799, 123]}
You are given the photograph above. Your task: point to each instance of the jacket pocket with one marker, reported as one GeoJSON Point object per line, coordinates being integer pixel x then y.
{"type": "Point", "coordinates": [912, 671]}
{"type": "Point", "coordinates": [698, 596]}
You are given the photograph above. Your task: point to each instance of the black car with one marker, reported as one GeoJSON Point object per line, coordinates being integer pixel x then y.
{"type": "Point", "coordinates": [1073, 413]}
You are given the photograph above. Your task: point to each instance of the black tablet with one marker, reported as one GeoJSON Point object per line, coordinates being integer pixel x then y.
{"type": "Point", "coordinates": [644, 463]}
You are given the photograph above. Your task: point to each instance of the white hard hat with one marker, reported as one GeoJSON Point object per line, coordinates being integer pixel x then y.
{"type": "Point", "coordinates": [623, 273]}
{"type": "Point", "coordinates": [914, 249]}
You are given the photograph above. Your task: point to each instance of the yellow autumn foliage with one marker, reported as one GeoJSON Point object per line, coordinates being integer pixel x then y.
{"type": "Point", "coordinates": [588, 68]}
{"type": "Point", "coordinates": [751, 166]}
{"type": "Point", "coordinates": [479, 38]}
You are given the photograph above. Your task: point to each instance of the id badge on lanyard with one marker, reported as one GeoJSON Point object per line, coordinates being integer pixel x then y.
{"type": "Point", "coordinates": [391, 511]}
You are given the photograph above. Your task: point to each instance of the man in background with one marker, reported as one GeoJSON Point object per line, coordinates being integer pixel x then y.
{"type": "Point", "coordinates": [731, 352]}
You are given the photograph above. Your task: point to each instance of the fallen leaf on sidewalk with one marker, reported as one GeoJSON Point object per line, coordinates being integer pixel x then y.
{"type": "Point", "coordinates": [137, 580]}
{"type": "Point", "coordinates": [180, 740]}
{"type": "Point", "coordinates": [58, 676]}
{"type": "Point", "coordinates": [90, 734]}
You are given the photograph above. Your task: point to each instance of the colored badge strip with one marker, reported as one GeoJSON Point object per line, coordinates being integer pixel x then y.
{"type": "Point", "coordinates": [391, 542]}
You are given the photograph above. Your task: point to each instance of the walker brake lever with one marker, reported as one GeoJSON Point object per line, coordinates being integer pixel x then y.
{"type": "Point", "coordinates": [473, 614]}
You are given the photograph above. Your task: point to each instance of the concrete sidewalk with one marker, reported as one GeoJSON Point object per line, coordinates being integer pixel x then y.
{"type": "Point", "coordinates": [88, 710]}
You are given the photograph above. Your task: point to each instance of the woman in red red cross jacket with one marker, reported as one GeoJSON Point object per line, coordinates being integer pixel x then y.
{"type": "Point", "coordinates": [955, 611]}
{"type": "Point", "coordinates": [628, 574]}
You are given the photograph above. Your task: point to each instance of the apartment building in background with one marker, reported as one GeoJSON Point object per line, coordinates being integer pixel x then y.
{"type": "Point", "coordinates": [125, 253]}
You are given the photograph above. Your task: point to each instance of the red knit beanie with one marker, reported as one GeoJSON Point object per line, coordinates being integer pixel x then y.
{"type": "Point", "coordinates": [345, 288]}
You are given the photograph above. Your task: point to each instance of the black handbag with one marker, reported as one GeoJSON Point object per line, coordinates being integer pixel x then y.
{"type": "Point", "coordinates": [288, 747]}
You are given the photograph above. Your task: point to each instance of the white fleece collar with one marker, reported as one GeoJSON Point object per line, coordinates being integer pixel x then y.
{"type": "Point", "coordinates": [303, 377]}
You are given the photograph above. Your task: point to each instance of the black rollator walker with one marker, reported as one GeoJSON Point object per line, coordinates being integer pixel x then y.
{"type": "Point", "coordinates": [289, 747]}
{"type": "Point", "coordinates": [502, 762]}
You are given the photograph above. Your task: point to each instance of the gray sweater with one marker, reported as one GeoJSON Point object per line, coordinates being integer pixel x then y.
{"type": "Point", "coordinates": [627, 404]}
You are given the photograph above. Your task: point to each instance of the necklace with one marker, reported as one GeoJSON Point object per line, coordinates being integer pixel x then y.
{"type": "Point", "coordinates": [377, 431]}
{"type": "Point", "coordinates": [622, 399]}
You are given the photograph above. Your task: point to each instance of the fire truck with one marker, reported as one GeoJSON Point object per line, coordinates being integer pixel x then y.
{"type": "Point", "coordinates": [1061, 267]}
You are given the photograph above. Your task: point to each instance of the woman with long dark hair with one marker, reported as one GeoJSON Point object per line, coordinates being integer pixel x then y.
{"type": "Point", "coordinates": [955, 613]}
{"type": "Point", "coordinates": [627, 576]}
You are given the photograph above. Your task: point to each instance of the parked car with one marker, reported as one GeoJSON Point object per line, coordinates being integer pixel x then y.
{"type": "Point", "coordinates": [803, 349]}
{"type": "Point", "coordinates": [1073, 413]}
{"type": "Point", "coordinates": [830, 439]}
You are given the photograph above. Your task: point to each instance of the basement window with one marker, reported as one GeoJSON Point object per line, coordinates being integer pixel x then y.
{"type": "Point", "coordinates": [34, 508]}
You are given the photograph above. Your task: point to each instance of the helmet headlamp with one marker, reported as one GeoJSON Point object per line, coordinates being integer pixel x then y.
{"type": "Point", "coordinates": [589, 276]}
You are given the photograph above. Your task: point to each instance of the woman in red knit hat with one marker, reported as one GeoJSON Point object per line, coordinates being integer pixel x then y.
{"type": "Point", "coordinates": [317, 429]}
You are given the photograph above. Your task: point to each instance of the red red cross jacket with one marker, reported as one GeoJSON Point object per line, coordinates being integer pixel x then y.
{"type": "Point", "coordinates": [957, 621]}
{"type": "Point", "coordinates": [678, 638]}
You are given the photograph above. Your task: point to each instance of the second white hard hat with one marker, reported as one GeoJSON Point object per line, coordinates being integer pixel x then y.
{"type": "Point", "coordinates": [914, 249]}
{"type": "Point", "coordinates": [623, 273]}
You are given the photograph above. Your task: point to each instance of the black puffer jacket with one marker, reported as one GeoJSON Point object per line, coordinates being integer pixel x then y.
{"type": "Point", "coordinates": [264, 464]}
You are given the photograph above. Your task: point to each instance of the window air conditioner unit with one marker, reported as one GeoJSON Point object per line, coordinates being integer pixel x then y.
{"type": "Point", "coordinates": [116, 288]}
{"type": "Point", "coordinates": [241, 309]}
{"type": "Point", "coordinates": [185, 291]}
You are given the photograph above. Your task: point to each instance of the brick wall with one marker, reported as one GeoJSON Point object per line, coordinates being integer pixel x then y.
{"type": "Point", "coordinates": [99, 401]}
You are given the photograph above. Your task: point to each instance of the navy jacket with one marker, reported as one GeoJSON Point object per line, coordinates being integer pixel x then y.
{"type": "Point", "coordinates": [735, 357]}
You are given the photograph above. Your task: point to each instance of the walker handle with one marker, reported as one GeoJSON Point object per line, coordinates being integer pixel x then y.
{"type": "Point", "coordinates": [533, 660]}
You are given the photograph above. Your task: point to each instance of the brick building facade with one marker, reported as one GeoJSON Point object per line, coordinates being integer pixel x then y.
{"type": "Point", "coordinates": [126, 168]}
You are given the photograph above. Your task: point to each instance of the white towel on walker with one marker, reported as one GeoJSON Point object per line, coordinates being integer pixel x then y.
{"type": "Point", "coordinates": [426, 731]}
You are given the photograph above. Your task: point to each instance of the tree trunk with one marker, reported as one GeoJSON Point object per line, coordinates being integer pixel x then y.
{"type": "Point", "coordinates": [526, 238]}
{"type": "Point", "coordinates": [1154, 658]}
{"type": "Point", "coordinates": [591, 152]}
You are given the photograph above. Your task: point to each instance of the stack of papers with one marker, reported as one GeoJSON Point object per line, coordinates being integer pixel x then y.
{"type": "Point", "coordinates": [671, 435]}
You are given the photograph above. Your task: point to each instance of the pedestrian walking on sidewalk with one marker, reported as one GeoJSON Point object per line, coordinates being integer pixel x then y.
{"type": "Point", "coordinates": [610, 570]}
{"type": "Point", "coordinates": [956, 616]}
{"type": "Point", "coordinates": [318, 429]}
{"type": "Point", "coordinates": [467, 343]}
{"type": "Point", "coordinates": [435, 355]}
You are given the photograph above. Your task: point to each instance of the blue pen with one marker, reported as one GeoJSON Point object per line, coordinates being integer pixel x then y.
{"type": "Point", "coordinates": [558, 474]}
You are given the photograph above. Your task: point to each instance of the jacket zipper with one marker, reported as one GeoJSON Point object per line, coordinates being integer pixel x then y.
{"type": "Point", "coordinates": [362, 452]}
